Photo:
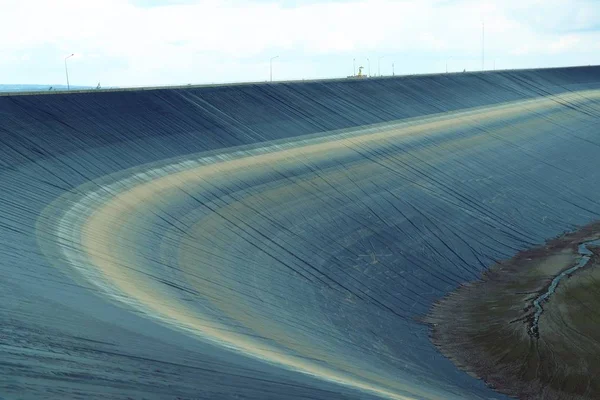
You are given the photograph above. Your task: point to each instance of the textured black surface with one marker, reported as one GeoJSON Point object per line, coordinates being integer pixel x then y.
{"type": "Point", "coordinates": [331, 257]}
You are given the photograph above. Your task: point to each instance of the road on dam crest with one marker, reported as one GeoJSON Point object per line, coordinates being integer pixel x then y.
{"type": "Point", "coordinates": [275, 241]}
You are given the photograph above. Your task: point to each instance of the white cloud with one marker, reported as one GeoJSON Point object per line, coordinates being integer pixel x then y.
{"type": "Point", "coordinates": [567, 42]}
{"type": "Point", "coordinates": [176, 38]}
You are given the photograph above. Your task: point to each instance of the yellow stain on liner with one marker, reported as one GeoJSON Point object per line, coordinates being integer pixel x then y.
{"type": "Point", "coordinates": [98, 240]}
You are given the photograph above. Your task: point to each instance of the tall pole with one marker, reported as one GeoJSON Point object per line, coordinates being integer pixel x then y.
{"type": "Point", "coordinates": [393, 71]}
{"type": "Point", "coordinates": [379, 65]}
{"type": "Point", "coordinates": [67, 71]}
{"type": "Point", "coordinates": [483, 46]}
{"type": "Point", "coordinates": [271, 67]}
{"type": "Point", "coordinates": [369, 61]}
{"type": "Point", "coordinates": [354, 67]}
{"type": "Point", "coordinates": [448, 59]}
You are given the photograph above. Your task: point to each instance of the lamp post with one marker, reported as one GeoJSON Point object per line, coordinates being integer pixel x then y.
{"type": "Point", "coordinates": [448, 59]}
{"type": "Point", "coordinates": [67, 71]}
{"type": "Point", "coordinates": [483, 46]}
{"type": "Point", "coordinates": [354, 67]}
{"type": "Point", "coordinates": [379, 65]}
{"type": "Point", "coordinates": [369, 61]}
{"type": "Point", "coordinates": [271, 67]}
{"type": "Point", "coordinates": [393, 71]}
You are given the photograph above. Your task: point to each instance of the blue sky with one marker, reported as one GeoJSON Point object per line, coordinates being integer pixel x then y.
{"type": "Point", "coordinates": [154, 42]}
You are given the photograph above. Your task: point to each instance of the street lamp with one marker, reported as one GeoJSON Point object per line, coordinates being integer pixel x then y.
{"type": "Point", "coordinates": [448, 59]}
{"type": "Point", "coordinates": [393, 71]}
{"type": "Point", "coordinates": [67, 71]}
{"type": "Point", "coordinates": [369, 61]}
{"type": "Point", "coordinates": [379, 65]}
{"type": "Point", "coordinates": [354, 67]}
{"type": "Point", "coordinates": [483, 46]}
{"type": "Point", "coordinates": [271, 67]}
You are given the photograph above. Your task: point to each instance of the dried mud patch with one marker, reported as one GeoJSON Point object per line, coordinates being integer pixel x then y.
{"type": "Point", "coordinates": [484, 327]}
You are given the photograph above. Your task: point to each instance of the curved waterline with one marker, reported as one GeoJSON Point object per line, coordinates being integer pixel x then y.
{"type": "Point", "coordinates": [440, 191]}
{"type": "Point", "coordinates": [108, 207]}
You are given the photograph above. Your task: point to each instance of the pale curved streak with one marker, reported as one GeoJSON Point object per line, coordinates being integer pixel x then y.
{"type": "Point", "coordinates": [86, 229]}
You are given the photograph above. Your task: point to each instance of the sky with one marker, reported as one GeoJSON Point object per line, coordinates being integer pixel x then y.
{"type": "Point", "coordinates": [163, 42]}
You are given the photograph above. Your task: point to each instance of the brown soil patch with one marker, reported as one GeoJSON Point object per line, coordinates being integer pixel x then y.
{"type": "Point", "coordinates": [484, 326]}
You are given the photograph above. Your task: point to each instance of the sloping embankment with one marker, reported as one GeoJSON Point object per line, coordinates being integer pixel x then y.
{"type": "Point", "coordinates": [274, 240]}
